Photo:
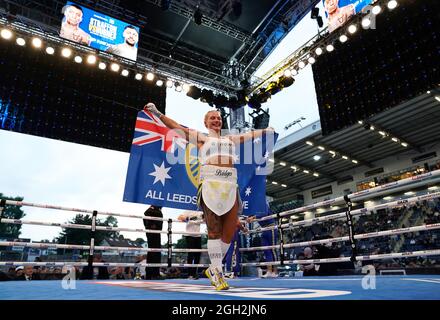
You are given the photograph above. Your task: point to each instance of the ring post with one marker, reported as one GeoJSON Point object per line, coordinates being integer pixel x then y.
{"type": "Point", "coordinates": [170, 242]}
{"type": "Point", "coordinates": [350, 228]}
{"type": "Point", "coordinates": [280, 235]}
{"type": "Point", "coordinates": [2, 209]}
{"type": "Point", "coordinates": [92, 239]}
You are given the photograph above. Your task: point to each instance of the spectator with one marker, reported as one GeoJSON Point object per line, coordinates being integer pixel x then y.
{"type": "Point", "coordinates": [5, 276]}
{"type": "Point", "coordinates": [193, 220]}
{"type": "Point", "coordinates": [153, 240]}
{"type": "Point", "coordinates": [117, 273]}
{"type": "Point", "coordinates": [99, 273]}
{"type": "Point", "coordinates": [26, 273]}
{"type": "Point", "coordinates": [140, 272]}
{"type": "Point", "coordinates": [129, 273]}
{"type": "Point", "coordinates": [325, 252]}
{"type": "Point", "coordinates": [172, 273]}
{"type": "Point", "coordinates": [308, 269]}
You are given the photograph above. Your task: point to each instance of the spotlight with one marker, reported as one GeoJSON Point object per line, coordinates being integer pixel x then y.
{"type": "Point", "coordinates": [178, 87]}
{"type": "Point", "coordinates": [314, 13]}
{"type": "Point", "coordinates": [366, 22]}
{"type": "Point", "coordinates": [330, 48]}
{"type": "Point", "coordinates": [321, 148]}
{"type": "Point", "coordinates": [78, 59]}
{"type": "Point", "coordinates": [198, 17]}
{"type": "Point", "coordinates": [301, 64]}
{"type": "Point", "coordinates": [185, 88]}
{"type": "Point", "coordinates": [115, 67]}
{"type": "Point", "coordinates": [159, 83]}
{"type": "Point", "coordinates": [285, 82]}
{"type": "Point", "coordinates": [294, 72]}
{"type": "Point", "coordinates": [50, 50]}
{"type": "Point", "coordinates": [169, 84]}
{"type": "Point", "coordinates": [37, 43]}
{"type": "Point", "coordinates": [312, 60]}
{"type": "Point", "coordinates": [376, 10]}
{"type": "Point", "coordinates": [66, 52]}
{"type": "Point", "coordinates": [352, 29]}
{"type": "Point", "coordinates": [219, 100]}
{"type": "Point", "coordinates": [6, 34]}
{"type": "Point", "coordinates": [318, 51]}
{"type": "Point", "coordinates": [150, 76]}
{"type": "Point", "coordinates": [343, 38]}
{"type": "Point", "coordinates": [207, 96]}
{"type": "Point", "coordinates": [316, 158]}
{"type": "Point", "coordinates": [287, 73]}
{"type": "Point", "coordinates": [102, 66]}
{"type": "Point", "coordinates": [194, 92]}
{"type": "Point", "coordinates": [254, 102]}
{"type": "Point", "coordinates": [404, 144]}
{"type": "Point", "coordinates": [316, 174]}
{"type": "Point", "coordinates": [392, 4]}
{"type": "Point", "coordinates": [91, 59]}
{"type": "Point", "coordinates": [273, 88]}
{"type": "Point", "coordinates": [125, 73]}
{"type": "Point", "coordinates": [354, 161]}
{"type": "Point", "coordinates": [138, 76]}
{"type": "Point", "coordinates": [21, 42]}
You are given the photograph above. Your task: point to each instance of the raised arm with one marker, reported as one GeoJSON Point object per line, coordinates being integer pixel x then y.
{"type": "Point", "coordinates": [241, 138]}
{"type": "Point", "coordinates": [187, 133]}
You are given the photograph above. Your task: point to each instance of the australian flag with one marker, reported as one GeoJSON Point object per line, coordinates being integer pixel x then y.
{"type": "Point", "coordinates": [163, 169]}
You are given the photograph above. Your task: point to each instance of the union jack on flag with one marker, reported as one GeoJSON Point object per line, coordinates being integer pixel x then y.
{"type": "Point", "coordinates": [150, 128]}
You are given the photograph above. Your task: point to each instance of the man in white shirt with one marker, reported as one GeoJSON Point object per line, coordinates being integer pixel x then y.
{"type": "Point", "coordinates": [128, 48]}
{"type": "Point", "coordinates": [193, 220]}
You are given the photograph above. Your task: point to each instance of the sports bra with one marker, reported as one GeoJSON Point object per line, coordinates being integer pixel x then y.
{"type": "Point", "coordinates": [216, 147]}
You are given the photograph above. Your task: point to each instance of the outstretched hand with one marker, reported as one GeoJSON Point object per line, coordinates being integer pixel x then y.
{"type": "Point", "coordinates": [151, 107]}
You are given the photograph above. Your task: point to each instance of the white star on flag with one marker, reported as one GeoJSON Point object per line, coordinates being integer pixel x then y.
{"type": "Point", "coordinates": [160, 173]}
{"type": "Point", "coordinates": [248, 191]}
{"type": "Point", "coordinates": [266, 155]}
{"type": "Point", "coordinates": [257, 140]}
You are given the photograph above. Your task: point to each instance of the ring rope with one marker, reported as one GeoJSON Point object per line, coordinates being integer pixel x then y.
{"type": "Point", "coordinates": [360, 195]}
{"type": "Point", "coordinates": [98, 228]}
{"type": "Point", "coordinates": [407, 254]}
{"type": "Point", "coordinates": [38, 245]}
{"type": "Point", "coordinates": [315, 261]}
{"type": "Point", "coordinates": [103, 213]}
{"type": "Point", "coordinates": [99, 264]}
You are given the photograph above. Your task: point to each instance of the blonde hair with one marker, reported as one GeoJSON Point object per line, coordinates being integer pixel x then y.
{"type": "Point", "coordinates": [210, 111]}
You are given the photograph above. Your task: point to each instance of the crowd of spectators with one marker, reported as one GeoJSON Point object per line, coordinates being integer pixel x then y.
{"type": "Point", "coordinates": [426, 212]}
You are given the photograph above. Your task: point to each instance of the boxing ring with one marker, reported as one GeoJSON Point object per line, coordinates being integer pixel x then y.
{"type": "Point", "coordinates": [365, 287]}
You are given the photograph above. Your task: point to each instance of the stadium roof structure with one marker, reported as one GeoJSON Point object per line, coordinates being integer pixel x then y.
{"type": "Point", "coordinates": [243, 30]}
{"type": "Point", "coordinates": [409, 128]}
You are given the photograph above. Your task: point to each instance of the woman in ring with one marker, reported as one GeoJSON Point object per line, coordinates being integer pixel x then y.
{"type": "Point", "coordinates": [218, 194]}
